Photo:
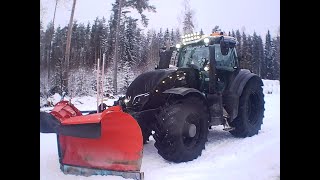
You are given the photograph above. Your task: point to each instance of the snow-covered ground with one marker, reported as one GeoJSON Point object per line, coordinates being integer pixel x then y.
{"type": "Point", "coordinates": [224, 158]}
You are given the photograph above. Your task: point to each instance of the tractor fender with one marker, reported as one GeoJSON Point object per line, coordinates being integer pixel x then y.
{"type": "Point", "coordinates": [184, 91]}
{"type": "Point", "coordinates": [241, 80]}
{"type": "Point", "coordinates": [236, 88]}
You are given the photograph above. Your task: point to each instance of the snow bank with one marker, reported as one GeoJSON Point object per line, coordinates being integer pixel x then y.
{"type": "Point", "coordinates": [271, 86]}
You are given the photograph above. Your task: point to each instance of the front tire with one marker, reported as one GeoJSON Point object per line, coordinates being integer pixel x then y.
{"type": "Point", "coordinates": [181, 129]}
{"type": "Point", "coordinates": [251, 110]}
{"type": "Point", "coordinates": [145, 129]}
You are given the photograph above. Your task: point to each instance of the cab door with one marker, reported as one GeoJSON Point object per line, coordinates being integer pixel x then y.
{"type": "Point", "coordinates": [226, 65]}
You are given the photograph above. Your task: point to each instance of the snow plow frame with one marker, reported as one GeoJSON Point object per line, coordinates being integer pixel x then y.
{"type": "Point", "coordinates": [84, 171]}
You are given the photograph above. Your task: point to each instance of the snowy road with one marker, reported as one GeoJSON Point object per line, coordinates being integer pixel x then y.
{"type": "Point", "coordinates": [225, 157]}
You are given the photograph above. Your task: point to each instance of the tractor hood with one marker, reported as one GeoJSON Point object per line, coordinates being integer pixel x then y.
{"type": "Point", "coordinates": [146, 91]}
{"type": "Point", "coordinates": [146, 82]}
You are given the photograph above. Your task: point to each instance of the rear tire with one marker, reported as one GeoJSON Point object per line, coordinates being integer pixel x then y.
{"type": "Point", "coordinates": [174, 139]}
{"type": "Point", "coordinates": [251, 110]}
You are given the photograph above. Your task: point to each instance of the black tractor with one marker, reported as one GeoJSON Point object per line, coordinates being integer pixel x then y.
{"type": "Point", "coordinates": [206, 88]}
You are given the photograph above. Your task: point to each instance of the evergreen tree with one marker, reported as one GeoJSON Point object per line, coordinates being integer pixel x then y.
{"type": "Point", "coordinates": [41, 46]}
{"type": "Point", "coordinates": [255, 54]}
{"type": "Point", "coordinates": [87, 49]}
{"type": "Point", "coordinates": [216, 28]}
{"type": "Point", "coordinates": [261, 55]}
{"type": "Point", "coordinates": [201, 32]}
{"type": "Point", "coordinates": [58, 49]}
{"type": "Point", "coordinates": [166, 39]}
{"type": "Point", "coordinates": [145, 49]}
{"type": "Point", "coordinates": [131, 42]}
{"type": "Point", "coordinates": [160, 39]}
{"type": "Point", "coordinates": [126, 76]}
{"type": "Point", "coordinates": [172, 38]}
{"type": "Point", "coordinates": [239, 45]}
{"type": "Point", "coordinates": [140, 6]}
{"type": "Point", "coordinates": [188, 24]}
{"type": "Point", "coordinates": [177, 38]}
{"type": "Point", "coordinates": [233, 34]}
{"type": "Point", "coordinates": [269, 56]}
{"type": "Point", "coordinates": [249, 53]}
{"type": "Point", "coordinates": [277, 57]}
{"type": "Point", "coordinates": [245, 64]}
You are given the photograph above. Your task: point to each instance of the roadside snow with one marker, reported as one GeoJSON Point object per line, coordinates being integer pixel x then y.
{"type": "Point", "coordinates": [224, 158]}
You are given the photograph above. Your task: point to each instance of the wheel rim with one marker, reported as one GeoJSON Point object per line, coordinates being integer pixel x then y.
{"type": "Point", "coordinates": [253, 108]}
{"type": "Point", "coordinates": [191, 131]}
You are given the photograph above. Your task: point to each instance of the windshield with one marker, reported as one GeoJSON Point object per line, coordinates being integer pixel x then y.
{"type": "Point", "coordinates": [196, 55]}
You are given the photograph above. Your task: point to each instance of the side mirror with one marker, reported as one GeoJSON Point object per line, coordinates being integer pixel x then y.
{"type": "Point", "coordinates": [165, 58]}
{"type": "Point", "coordinates": [224, 49]}
{"type": "Point", "coordinates": [224, 46]}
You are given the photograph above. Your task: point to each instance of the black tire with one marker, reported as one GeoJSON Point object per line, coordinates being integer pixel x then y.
{"type": "Point", "coordinates": [170, 129]}
{"type": "Point", "coordinates": [251, 110]}
{"type": "Point", "coordinates": [145, 129]}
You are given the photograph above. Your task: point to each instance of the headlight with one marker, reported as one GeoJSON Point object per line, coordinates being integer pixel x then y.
{"type": "Point", "coordinates": [126, 100]}
{"type": "Point", "coordinates": [206, 40]}
{"type": "Point", "coordinates": [206, 68]}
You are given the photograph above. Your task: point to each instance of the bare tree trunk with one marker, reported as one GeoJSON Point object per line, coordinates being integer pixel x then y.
{"type": "Point", "coordinates": [98, 84]}
{"type": "Point", "coordinates": [116, 54]}
{"type": "Point", "coordinates": [50, 46]}
{"type": "Point", "coordinates": [67, 53]}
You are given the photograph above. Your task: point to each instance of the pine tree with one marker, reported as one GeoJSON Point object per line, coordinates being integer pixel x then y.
{"type": "Point", "coordinates": [277, 57]}
{"type": "Point", "coordinates": [166, 38]}
{"type": "Point", "coordinates": [255, 54]}
{"type": "Point", "coordinates": [87, 49]}
{"type": "Point", "coordinates": [47, 55]}
{"type": "Point", "coordinates": [249, 53]}
{"type": "Point", "coordinates": [154, 52]}
{"type": "Point", "coordinates": [127, 76]}
{"type": "Point", "coordinates": [58, 49]}
{"type": "Point", "coordinates": [131, 42]}
{"type": "Point", "coordinates": [74, 61]}
{"type": "Point", "coordinates": [233, 34]}
{"type": "Point", "coordinates": [115, 20]}
{"type": "Point", "coordinates": [81, 36]}
{"type": "Point", "coordinates": [201, 32]}
{"type": "Point", "coordinates": [177, 38]}
{"type": "Point", "coordinates": [142, 65]}
{"type": "Point", "coordinates": [239, 45]}
{"type": "Point", "coordinates": [140, 6]}
{"type": "Point", "coordinates": [160, 39]}
{"type": "Point", "coordinates": [260, 56]}
{"type": "Point", "coordinates": [188, 24]}
{"type": "Point", "coordinates": [244, 52]}
{"type": "Point", "coordinates": [269, 56]}
{"type": "Point", "coordinates": [216, 28]}
{"type": "Point", "coordinates": [41, 46]}
{"type": "Point", "coordinates": [172, 38]}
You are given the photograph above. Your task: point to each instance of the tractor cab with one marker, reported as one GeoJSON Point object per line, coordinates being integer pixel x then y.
{"type": "Point", "coordinates": [213, 54]}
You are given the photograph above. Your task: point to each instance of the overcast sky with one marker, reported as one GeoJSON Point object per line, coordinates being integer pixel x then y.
{"type": "Point", "coordinates": [248, 15]}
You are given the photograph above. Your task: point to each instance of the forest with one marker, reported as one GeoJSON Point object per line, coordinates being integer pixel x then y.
{"type": "Point", "coordinates": [137, 51]}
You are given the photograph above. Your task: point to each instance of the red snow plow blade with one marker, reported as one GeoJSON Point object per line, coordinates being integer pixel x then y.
{"type": "Point", "coordinates": [107, 143]}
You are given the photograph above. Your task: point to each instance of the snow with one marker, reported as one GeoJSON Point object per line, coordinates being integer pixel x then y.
{"type": "Point", "coordinates": [225, 157]}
